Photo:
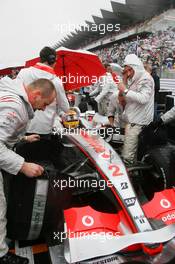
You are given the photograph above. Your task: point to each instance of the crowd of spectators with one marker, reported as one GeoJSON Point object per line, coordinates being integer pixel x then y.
{"type": "Point", "coordinates": [157, 48]}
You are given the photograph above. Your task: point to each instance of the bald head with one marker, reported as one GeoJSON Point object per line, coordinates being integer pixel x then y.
{"type": "Point", "coordinates": [44, 85]}
{"type": "Point", "coordinates": [41, 93]}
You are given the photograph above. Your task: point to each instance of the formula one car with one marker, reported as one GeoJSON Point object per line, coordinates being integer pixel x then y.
{"type": "Point", "coordinates": [88, 200]}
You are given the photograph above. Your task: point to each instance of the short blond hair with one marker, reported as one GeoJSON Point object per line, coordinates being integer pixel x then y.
{"type": "Point", "coordinates": [44, 85]}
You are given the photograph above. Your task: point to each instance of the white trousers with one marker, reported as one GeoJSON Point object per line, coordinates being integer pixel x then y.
{"type": "Point", "coordinates": [3, 221]}
{"type": "Point", "coordinates": [129, 152]}
{"type": "Point", "coordinates": [104, 104]}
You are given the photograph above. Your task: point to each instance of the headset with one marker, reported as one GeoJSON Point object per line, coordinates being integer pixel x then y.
{"type": "Point", "coordinates": [47, 54]}
{"type": "Point", "coordinates": [51, 59]}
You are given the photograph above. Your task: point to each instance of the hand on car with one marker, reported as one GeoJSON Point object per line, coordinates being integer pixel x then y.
{"type": "Point", "coordinates": [32, 138]}
{"type": "Point", "coordinates": [31, 169]}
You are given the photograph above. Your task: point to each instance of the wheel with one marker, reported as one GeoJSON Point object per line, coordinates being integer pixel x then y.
{"type": "Point", "coordinates": [35, 206]}
{"type": "Point", "coordinates": [162, 174]}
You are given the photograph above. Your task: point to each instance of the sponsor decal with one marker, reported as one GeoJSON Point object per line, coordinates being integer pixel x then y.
{"type": "Point", "coordinates": [130, 201]}
{"type": "Point", "coordinates": [115, 170]}
{"type": "Point", "coordinates": [105, 155]}
{"type": "Point", "coordinates": [168, 217]}
{"type": "Point", "coordinates": [124, 185]}
{"type": "Point", "coordinates": [9, 118]}
{"type": "Point", "coordinates": [87, 220]}
{"type": "Point", "coordinates": [104, 260]}
{"type": "Point", "coordinates": [140, 218]}
{"type": "Point", "coordinates": [165, 203]}
{"type": "Point", "coordinates": [93, 142]}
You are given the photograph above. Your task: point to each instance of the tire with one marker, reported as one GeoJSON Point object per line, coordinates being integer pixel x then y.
{"type": "Point", "coordinates": [35, 206]}
{"type": "Point", "coordinates": [162, 174]}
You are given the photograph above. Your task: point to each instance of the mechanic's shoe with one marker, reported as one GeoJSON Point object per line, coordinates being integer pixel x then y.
{"type": "Point", "coordinates": [11, 258]}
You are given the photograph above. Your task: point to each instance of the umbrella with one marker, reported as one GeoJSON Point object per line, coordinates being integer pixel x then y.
{"type": "Point", "coordinates": [6, 69]}
{"type": "Point", "coordinates": [76, 68]}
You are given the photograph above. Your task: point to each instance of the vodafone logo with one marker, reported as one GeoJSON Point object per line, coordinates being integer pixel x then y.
{"type": "Point", "coordinates": [165, 203]}
{"type": "Point", "coordinates": [168, 217]}
{"type": "Point", "coordinates": [87, 220]}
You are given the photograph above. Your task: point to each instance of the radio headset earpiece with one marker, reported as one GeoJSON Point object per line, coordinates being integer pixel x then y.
{"type": "Point", "coordinates": [48, 55]}
{"type": "Point", "coordinates": [51, 59]}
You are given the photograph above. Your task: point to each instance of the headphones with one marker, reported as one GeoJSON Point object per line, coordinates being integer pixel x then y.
{"type": "Point", "coordinates": [51, 59]}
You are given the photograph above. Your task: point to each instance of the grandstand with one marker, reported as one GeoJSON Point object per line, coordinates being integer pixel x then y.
{"type": "Point", "coordinates": [147, 28]}
{"type": "Point", "coordinates": [130, 16]}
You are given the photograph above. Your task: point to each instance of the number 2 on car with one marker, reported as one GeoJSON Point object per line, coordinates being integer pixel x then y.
{"type": "Point", "coordinates": [115, 170]}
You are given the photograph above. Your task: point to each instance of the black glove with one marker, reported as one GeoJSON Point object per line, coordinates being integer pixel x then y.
{"type": "Point", "coordinates": [88, 98]}
{"type": "Point", "coordinates": [94, 105]}
{"type": "Point", "coordinates": [156, 124]}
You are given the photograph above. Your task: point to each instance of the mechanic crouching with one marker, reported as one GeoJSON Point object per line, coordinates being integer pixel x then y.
{"type": "Point", "coordinates": [17, 105]}
{"type": "Point", "coordinates": [136, 95]}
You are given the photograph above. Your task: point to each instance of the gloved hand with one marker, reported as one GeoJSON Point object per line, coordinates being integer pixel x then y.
{"type": "Point", "coordinates": [94, 105]}
{"type": "Point", "coordinates": [157, 123]}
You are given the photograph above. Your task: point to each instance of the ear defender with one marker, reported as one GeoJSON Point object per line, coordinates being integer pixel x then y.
{"type": "Point", "coordinates": [51, 59]}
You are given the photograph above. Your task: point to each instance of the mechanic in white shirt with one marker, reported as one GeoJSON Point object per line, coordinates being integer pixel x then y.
{"type": "Point", "coordinates": [105, 88]}
{"type": "Point", "coordinates": [42, 122]}
{"type": "Point", "coordinates": [137, 90]}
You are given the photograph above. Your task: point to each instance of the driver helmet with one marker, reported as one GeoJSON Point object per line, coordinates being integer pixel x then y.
{"type": "Point", "coordinates": [71, 119]}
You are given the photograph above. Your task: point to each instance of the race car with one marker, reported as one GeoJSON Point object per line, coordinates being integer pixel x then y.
{"type": "Point", "coordinates": [89, 202]}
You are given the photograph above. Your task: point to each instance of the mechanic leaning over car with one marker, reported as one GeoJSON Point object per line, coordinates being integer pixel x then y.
{"type": "Point", "coordinates": [136, 95]}
{"type": "Point", "coordinates": [42, 122]}
{"type": "Point", "coordinates": [17, 105]}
